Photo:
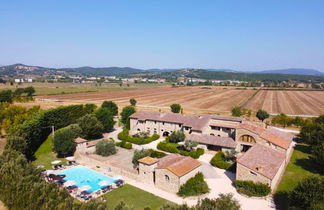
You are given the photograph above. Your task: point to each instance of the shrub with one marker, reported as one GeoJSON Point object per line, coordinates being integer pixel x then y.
{"type": "Point", "coordinates": [176, 137]}
{"type": "Point", "coordinates": [237, 111]}
{"type": "Point", "coordinates": [124, 144]}
{"type": "Point", "coordinates": [124, 135]}
{"type": "Point", "coordinates": [105, 148]}
{"type": "Point", "coordinates": [16, 143]}
{"type": "Point", "coordinates": [173, 148]}
{"type": "Point", "coordinates": [262, 115]}
{"type": "Point", "coordinates": [250, 188]}
{"type": "Point", "coordinates": [194, 186]}
{"type": "Point", "coordinates": [219, 161]}
{"type": "Point", "coordinates": [138, 154]}
{"type": "Point", "coordinates": [156, 154]}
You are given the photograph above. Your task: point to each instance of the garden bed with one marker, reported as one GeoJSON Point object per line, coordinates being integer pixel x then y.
{"type": "Point", "coordinates": [177, 148]}
{"type": "Point", "coordinates": [124, 135]}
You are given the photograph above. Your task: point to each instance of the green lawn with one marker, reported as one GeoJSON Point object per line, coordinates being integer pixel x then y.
{"type": "Point", "coordinates": [134, 197]}
{"type": "Point", "coordinates": [44, 155]}
{"type": "Point", "coordinates": [299, 167]}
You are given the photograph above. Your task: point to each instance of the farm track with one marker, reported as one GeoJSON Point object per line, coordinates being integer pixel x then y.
{"type": "Point", "coordinates": [214, 100]}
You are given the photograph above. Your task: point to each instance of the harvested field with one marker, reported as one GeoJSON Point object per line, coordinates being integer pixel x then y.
{"type": "Point", "coordinates": [192, 99]}
{"type": "Point", "coordinates": [289, 102]}
{"type": "Point", "coordinates": [200, 100]}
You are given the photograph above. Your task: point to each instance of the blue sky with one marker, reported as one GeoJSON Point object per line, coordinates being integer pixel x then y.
{"type": "Point", "coordinates": [241, 35]}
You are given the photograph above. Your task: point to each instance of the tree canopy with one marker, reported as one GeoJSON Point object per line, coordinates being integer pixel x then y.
{"type": "Point", "coordinates": [111, 106]}
{"type": "Point", "coordinates": [91, 127]}
{"type": "Point", "coordinates": [106, 118]}
{"type": "Point", "coordinates": [175, 108]}
{"type": "Point", "coordinates": [126, 112]}
{"type": "Point", "coordinates": [63, 142]}
{"type": "Point", "coordinates": [133, 102]}
{"type": "Point", "coordinates": [105, 148]}
{"type": "Point", "coordinates": [262, 115]}
{"type": "Point", "coordinates": [138, 154]}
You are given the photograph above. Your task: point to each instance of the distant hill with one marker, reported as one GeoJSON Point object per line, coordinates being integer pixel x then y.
{"type": "Point", "coordinates": [295, 71]}
{"type": "Point", "coordinates": [103, 70]}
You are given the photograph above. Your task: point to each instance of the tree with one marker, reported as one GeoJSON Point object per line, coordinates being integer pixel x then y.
{"type": "Point", "coordinates": [30, 91]}
{"type": "Point", "coordinates": [175, 108]}
{"type": "Point", "coordinates": [189, 145]}
{"type": "Point", "coordinates": [308, 194]}
{"type": "Point", "coordinates": [105, 148]}
{"type": "Point", "coordinates": [282, 120]}
{"type": "Point", "coordinates": [91, 127]}
{"type": "Point", "coordinates": [138, 154]}
{"type": "Point", "coordinates": [6, 96]}
{"type": "Point", "coordinates": [177, 136]}
{"type": "Point", "coordinates": [312, 133]}
{"type": "Point", "coordinates": [106, 118]}
{"type": "Point", "coordinates": [194, 186]}
{"type": "Point", "coordinates": [262, 115]}
{"type": "Point", "coordinates": [237, 111]}
{"type": "Point", "coordinates": [317, 156]}
{"type": "Point", "coordinates": [133, 102]}
{"type": "Point", "coordinates": [16, 143]}
{"type": "Point", "coordinates": [63, 142]}
{"type": "Point", "coordinates": [125, 114]}
{"type": "Point", "coordinates": [224, 201]}
{"type": "Point", "coordinates": [111, 106]}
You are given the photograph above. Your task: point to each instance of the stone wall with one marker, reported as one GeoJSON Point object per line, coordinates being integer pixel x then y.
{"type": "Point", "coordinates": [244, 173]}
{"type": "Point", "coordinates": [171, 185]}
{"type": "Point", "coordinates": [146, 173]}
{"type": "Point", "coordinates": [189, 175]}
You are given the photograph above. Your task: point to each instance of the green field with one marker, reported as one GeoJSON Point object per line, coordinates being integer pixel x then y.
{"type": "Point", "coordinates": [134, 197]}
{"type": "Point", "coordinates": [299, 167]}
{"type": "Point", "coordinates": [63, 88]}
{"type": "Point", "coordinates": [44, 155]}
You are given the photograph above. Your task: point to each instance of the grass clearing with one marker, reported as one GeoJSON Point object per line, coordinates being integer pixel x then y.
{"type": "Point", "coordinates": [299, 167]}
{"type": "Point", "coordinates": [44, 155]}
{"type": "Point", "coordinates": [134, 197]}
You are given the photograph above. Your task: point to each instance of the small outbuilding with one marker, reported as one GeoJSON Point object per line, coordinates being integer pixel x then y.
{"type": "Point", "coordinates": [169, 172]}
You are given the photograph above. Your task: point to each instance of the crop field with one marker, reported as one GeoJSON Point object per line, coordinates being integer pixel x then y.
{"type": "Point", "coordinates": [202, 100]}
{"type": "Point", "coordinates": [289, 102]}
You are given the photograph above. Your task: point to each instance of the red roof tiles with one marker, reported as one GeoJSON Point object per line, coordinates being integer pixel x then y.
{"type": "Point", "coordinates": [213, 140]}
{"type": "Point", "coordinates": [263, 160]}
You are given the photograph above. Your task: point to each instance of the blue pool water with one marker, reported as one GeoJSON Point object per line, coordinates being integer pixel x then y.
{"type": "Point", "coordinates": [85, 176]}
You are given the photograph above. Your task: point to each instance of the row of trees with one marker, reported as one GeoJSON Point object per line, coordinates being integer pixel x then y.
{"type": "Point", "coordinates": [17, 95]}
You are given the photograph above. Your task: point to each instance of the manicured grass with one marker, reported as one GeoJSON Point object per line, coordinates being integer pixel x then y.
{"type": "Point", "coordinates": [44, 155]}
{"type": "Point", "coordinates": [134, 197]}
{"type": "Point", "coordinates": [299, 167]}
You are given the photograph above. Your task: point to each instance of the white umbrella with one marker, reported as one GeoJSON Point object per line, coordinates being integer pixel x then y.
{"type": "Point", "coordinates": [48, 172]}
{"type": "Point", "coordinates": [70, 158]}
{"type": "Point", "coordinates": [55, 161]}
{"type": "Point", "coordinates": [104, 182]}
{"type": "Point", "coordinates": [85, 188]}
{"type": "Point", "coordinates": [69, 183]}
{"type": "Point", "coordinates": [117, 177]}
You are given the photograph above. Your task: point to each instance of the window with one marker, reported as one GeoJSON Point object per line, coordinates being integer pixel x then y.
{"type": "Point", "coordinates": [138, 129]}
{"type": "Point", "coordinates": [179, 125]}
{"type": "Point", "coordinates": [154, 122]}
{"type": "Point", "coordinates": [187, 128]}
{"type": "Point", "coordinates": [167, 178]}
{"type": "Point", "coordinates": [163, 123]}
{"type": "Point", "coordinates": [251, 172]}
{"type": "Point", "coordinates": [215, 128]}
{"type": "Point", "coordinates": [247, 138]}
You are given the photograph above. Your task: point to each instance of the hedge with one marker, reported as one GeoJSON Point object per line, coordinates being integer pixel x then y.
{"type": "Point", "coordinates": [173, 148]}
{"type": "Point", "coordinates": [250, 188]}
{"type": "Point", "coordinates": [36, 129]}
{"type": "Point", "coordinates": [219, 161]}
{"type": "Point", "coordinates": [194, 186]}
{"type": "Point", "coordinates": [125, 145]}
{"type": "Point", "coordinates": [156, 154]}
{"type": "Point", "coordinates": [124, 135]}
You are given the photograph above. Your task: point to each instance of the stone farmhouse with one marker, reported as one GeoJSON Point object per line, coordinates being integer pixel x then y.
{"type": "Point", "coordinates": [269, 148]}
{"type": "Point", "coordinates": [169, 172]}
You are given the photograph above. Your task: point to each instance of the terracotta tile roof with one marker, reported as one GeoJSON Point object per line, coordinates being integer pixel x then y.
{"type": "Point", "coordinates": [227, 118]}
{"type": "Point", "coordinates": [272, 135]}
{"type": "Point", "coordinates": [195, 122]}
{"type": "Point", "coordinates": [224, 125]}
{"type": "Point", "coordinates": [79, 140]}
{"type": "Point", "coordinates": [213, 140]}
{"type": "Point", "coordinates": [148, 160]}
{"type": "Point", "coordinates": [179, 165]}
{"type": "Point", "coordinates": [263, 160]}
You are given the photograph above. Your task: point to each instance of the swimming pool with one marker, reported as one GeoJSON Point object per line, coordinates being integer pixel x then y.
{"type": "Point", "coordinates": [83, 176]}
